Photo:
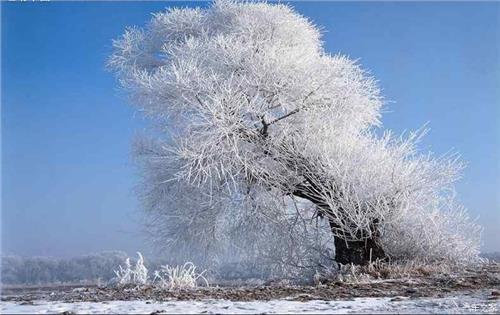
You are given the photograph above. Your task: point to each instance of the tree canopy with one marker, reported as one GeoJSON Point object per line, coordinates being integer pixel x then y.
{"type": "Point", "coordinates": [266, 145]}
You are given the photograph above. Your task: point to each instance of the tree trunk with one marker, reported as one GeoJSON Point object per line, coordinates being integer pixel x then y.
{"type": "Point", "coordinates": [358, 252]}
{"type": "Point", "coordinates": [348, 252]}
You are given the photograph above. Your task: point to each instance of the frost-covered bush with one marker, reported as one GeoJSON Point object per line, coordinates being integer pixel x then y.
{"type": "Point", "coordinates": [166, 277]}
{"type": "Point", "coordinates": [136, 275]}
{"type": "Point", "coordinates": [179, 277]}
{"type": "Point", "coordinates": [267, 149]}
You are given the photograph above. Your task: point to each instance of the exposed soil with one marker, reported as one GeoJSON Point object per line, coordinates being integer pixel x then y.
{"type": "Point", "coordinates": [485, 279]}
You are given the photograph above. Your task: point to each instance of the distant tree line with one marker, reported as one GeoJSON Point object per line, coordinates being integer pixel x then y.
{"type": "Point", "coordinates": [92, 268]}
{"type": "Point", "coordinates": [45, 270]}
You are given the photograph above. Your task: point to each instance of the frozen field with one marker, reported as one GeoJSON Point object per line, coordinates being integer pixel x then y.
{"type": "Point", "coordinates": [459, 304]}
{"type": "Point", "coordinates": [470, 292]}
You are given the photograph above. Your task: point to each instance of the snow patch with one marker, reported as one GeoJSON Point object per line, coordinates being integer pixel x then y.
{"type": "Point", "coordinates": [459, 304]}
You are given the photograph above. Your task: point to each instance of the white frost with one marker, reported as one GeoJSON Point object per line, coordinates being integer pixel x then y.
{"type": "Point", "coordinates": [459, 304]}
{"type": "Point", "coordinates": [251, 115]}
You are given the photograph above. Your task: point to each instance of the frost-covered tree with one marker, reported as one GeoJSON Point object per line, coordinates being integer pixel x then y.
{"type": "Point", "coordinates": [265, 142]}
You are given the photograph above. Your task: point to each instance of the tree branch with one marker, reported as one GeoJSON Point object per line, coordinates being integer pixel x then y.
{"type": "Point", "coordinates": [295, 111]}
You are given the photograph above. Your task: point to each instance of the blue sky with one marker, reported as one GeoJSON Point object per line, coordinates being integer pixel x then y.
{"type": "Point", "coordinates": [67, 177]}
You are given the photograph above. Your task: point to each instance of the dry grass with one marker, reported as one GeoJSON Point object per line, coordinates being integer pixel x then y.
{"type": "Point", "coordinates": [179, 277]}
{"type": "Point", "coordinates": [381, 270]}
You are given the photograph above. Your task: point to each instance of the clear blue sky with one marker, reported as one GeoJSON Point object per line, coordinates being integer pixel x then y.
{"type": "Point", "coordinates": [67, 177]}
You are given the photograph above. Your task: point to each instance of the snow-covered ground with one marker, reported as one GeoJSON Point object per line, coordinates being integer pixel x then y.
{"type": "Point", "coordinates": [459, 304]}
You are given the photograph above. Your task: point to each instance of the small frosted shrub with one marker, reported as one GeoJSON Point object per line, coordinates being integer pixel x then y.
{"type": "Point", "coordinates": [171, 278]}
{"type": "Point", "coordinates": [179, 277]}
{"type": "Point", "coordinates": [137, 275]}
